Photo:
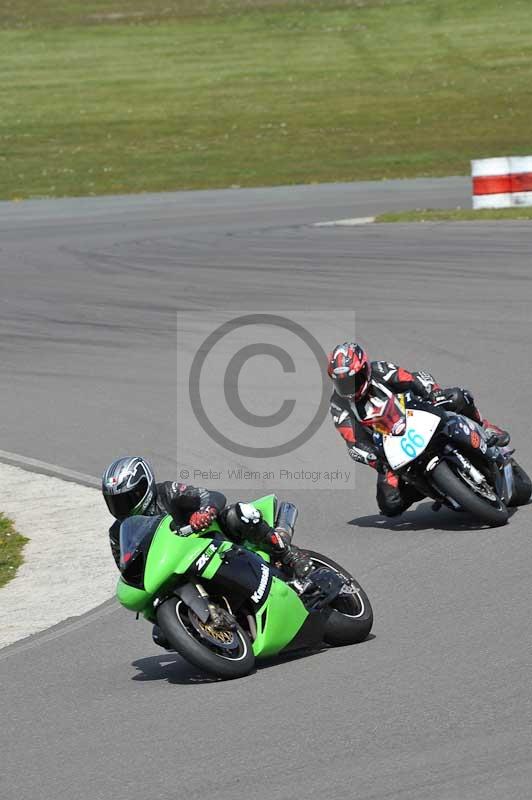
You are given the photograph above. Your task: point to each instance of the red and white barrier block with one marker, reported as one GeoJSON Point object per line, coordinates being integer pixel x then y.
{"type": "Point", "coordinates": [502, 182]}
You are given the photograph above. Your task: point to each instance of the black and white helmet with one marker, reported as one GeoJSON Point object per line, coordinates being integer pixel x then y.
{"type": "Point", "coordinates": [128, 486]}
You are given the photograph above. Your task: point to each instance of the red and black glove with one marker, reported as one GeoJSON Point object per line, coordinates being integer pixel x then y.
{"type": "Point", "coordinates": [201, 519]}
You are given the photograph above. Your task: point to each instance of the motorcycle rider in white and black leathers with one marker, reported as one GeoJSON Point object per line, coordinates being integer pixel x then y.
{"type": "Point", "coordinates": [129, 489]}
{"type": "Point", "coordinates": [360, 386]}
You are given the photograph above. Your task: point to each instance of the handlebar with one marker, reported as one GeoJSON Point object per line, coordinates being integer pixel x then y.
{"type": "Point", "coordinates": [186, 530]}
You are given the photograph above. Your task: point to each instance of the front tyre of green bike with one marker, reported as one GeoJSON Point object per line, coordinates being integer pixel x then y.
{"type": "Point", "coordinates": [221, 653]}
{"type": "Point", "coordinates": [351, 618]}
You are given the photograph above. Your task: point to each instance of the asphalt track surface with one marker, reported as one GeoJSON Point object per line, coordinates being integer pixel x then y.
{"type": "Point", "coordinates": [436, 705]}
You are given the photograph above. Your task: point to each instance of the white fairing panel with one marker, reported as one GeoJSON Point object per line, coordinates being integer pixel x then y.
{"type": "Point", "coordinates": [420, 427]}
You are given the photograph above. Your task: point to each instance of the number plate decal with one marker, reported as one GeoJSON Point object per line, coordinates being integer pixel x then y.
{"type": "Point", "coordinates": [399, 450]}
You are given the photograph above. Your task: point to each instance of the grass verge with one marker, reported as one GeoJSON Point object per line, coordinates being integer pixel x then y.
{"type": "Point", "coordinates": [455, 215]}
{"type": "Point", "coordinates": [113, 96]}
{"type": "Point", "coordinates": [11, 547]}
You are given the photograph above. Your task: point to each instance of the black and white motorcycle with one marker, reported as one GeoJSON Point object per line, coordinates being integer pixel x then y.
{"type": "Point", "coordinates": [447, 457]}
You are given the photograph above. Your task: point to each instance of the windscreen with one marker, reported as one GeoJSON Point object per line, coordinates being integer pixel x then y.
{"type": "Point", "coordinates": [133, 532]}
{"type": "Point", "coordinates": [387, 417]}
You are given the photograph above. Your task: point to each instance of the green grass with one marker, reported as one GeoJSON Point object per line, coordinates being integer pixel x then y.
{"type": "Point", "coordinates": [108, 97]}
{"type": "Point", "coordinates": [11, 546]}
{"type": "Point", "coordinates": [455, 215]}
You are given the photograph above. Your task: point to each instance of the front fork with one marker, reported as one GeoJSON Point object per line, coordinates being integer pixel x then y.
{"type": "Point", "coordinates": [501, 478]}
{"type": "Point", "coordinates": [470, 436]}
{"type": "Point", "coordinates": [193, 595]}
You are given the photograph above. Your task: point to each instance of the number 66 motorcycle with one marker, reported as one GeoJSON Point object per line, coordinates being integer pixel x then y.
{"type": "Point", "coordinates": [221, 605]}
{"type": "Point", "coordinates": [445, 456]}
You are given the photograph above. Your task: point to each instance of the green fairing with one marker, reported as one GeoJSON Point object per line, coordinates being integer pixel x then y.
{"type": "Point", "coordinates": [216, 562]}
{"type": "Point", "coordinates": [171, 554]}
{"type": "Point", "coordinates": [168, 555]}
{"type": "Point", "coordinates": [283, 610]}
{"type": "Point", "coordinates": [282, 613]}
{"type": "Point", "coordinates": [130, 597]}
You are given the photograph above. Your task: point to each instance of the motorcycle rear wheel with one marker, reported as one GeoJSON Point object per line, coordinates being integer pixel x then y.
{"type": "Point", "coordinates": [522, 486]}
{"type": "Point", "coordinates": [234, 658]}
{"type": "Point", "coordinates": [492, 514]}
{"type": "Point", "coordinates": [351, 619]}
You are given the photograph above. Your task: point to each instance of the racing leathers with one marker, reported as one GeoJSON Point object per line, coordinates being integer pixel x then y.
{"type": "Point", "coordinates": [352, 419]}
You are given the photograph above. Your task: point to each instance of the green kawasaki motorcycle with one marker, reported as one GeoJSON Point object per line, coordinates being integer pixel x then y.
{"type": "Point", "coordinates": [176, 578]}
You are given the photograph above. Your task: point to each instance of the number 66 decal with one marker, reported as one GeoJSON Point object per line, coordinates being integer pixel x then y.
{"type": "Point", "coordinates": [411, 442]}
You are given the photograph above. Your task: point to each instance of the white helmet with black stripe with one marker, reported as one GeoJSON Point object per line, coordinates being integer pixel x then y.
{"type": "Point", "coordinates": [128, 487]}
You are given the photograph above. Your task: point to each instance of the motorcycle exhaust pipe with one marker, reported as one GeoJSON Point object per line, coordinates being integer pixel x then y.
{"type": "Point", "coordinates": [286, 517]}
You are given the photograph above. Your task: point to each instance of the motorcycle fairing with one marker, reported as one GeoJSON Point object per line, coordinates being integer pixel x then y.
{"type": "Point", "coordinates": [466, 433]}
{"type": "Point", "coordinates": [168, 555]}
{"type": "Point", "coordinates": [280, 615]}
{"type": "Point", "coordinates": [419, 430]}
{"type": "Point", "coordinates": [278, 620]}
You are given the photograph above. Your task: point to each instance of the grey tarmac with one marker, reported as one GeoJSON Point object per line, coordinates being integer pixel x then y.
{"type": "Point", "coordinates": [436, 705]}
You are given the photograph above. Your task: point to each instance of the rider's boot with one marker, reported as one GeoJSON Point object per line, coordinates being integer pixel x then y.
{"type": "Point", "coordinates": [462, 402]}
{"type": "Point", "coordinates": [495, 435]}
{"type": "Point", "coordinates": [296, 562]}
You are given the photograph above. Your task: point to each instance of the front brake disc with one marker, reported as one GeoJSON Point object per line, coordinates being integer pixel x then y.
{"type": "Point", "coordinates": [221, 637]}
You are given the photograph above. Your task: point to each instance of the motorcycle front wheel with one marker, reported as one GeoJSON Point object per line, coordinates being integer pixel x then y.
{"type": "Point", "coordinates": [222, 653]}
{"type": "Point", "coordinates": [490, 512]}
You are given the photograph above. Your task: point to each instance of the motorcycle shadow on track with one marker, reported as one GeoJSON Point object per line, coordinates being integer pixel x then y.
{"type": "Point", "coordinates": [169, 667]}
{"type": "Point", "coordinates": [172, 668]}
{"type": "Point", "coordinates": [422, 518]}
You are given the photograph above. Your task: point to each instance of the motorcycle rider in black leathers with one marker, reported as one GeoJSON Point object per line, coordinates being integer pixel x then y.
{"type": "Point", "coordinates": [361, 386]}
{"type": "Point", "coordinates": [129, 489]}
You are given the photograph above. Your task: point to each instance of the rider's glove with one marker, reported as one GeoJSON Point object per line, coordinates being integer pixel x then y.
{"type": "Point", "coordinates": [201, 519]}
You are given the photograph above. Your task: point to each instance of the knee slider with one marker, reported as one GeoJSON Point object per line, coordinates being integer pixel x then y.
{"type": "Point", "coordinates": [389, 501]}
{"type": "Point", "coordinates": [390, 506]}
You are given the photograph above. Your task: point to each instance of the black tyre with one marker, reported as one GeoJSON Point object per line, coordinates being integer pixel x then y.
{"type": "Point", "coordinates": [351, 619]}
{"type": "Point", "coordinates": [492, 512]}
{"type": "Point", "coordinates": [522, 486]}
{"type": "Point", "coordinates": [223, 654]}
